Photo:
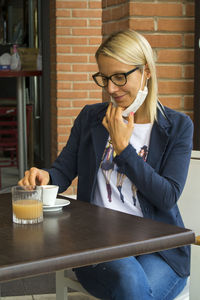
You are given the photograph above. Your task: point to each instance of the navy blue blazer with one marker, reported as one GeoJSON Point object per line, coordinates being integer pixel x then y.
{"type": "Point", "coordinates": [159, 180]}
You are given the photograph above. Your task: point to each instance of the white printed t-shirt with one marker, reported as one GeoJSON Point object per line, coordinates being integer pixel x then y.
{"type": "Point", "coordinates": [114, 190]}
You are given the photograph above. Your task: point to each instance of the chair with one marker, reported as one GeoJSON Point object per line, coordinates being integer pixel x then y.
{"type": "Point", "coordinates": [190, 211]}
{"type": "Point", "coordinates": [189, 205]}
{"type": "Point", "coordinates": [66, 279]}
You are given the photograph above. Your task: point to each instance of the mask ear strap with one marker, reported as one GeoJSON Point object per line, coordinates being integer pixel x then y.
{"type": "Point", "coordinates": [142, 78]}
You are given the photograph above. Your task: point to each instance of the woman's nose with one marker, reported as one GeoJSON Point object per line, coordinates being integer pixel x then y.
{"type": "Point", "coordinates": [111, 87]}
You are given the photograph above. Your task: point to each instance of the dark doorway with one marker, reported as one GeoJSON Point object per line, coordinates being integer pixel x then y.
{"type": "Point", "coordinates": [26, 23]}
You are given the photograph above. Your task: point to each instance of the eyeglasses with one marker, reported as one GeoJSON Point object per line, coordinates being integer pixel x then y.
{"type": "Point", "coordinates": [118, 79]}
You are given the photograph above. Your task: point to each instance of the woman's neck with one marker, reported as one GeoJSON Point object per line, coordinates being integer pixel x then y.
{"type": "Point", "coordinates": [141, 116]}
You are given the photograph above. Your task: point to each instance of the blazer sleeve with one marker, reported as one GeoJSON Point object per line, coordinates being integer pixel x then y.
{"type": "Point", "coordinates": [162, 187]}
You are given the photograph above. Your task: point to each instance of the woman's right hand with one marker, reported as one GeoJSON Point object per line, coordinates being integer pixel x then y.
{"type": "Point", "coordinates": [35, 176]}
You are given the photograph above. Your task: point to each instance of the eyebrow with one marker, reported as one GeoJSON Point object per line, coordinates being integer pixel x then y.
{"type": "Point", "coordinates": [117, 72]}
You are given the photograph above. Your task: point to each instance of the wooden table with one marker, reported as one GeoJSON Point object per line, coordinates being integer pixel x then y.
{"type": "Point", "coordinates": [21, 113]}
{"type": "Point", "coordinates": [81, 234]}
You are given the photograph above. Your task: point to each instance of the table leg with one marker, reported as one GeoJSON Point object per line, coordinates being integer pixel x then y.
{"type": "Point", "coordinates": [21, 121]}
{"type": "Point", "coordinates": [61, 288]}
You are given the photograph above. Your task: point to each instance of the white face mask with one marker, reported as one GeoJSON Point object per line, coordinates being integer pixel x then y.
{"type": "Point", "coordinates": [141, 96]}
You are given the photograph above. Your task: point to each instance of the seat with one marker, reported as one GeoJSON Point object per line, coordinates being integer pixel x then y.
{"type": "Point", "coordinates": [189, 205]}
{"type": "Point", "coordinates": [65, 280]}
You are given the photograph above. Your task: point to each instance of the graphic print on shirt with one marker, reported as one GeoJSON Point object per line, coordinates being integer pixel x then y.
{"type": "Point", "coordinates": [120, 180]}
{"type": "Point", "coordinates": [107, 167]}
{"type": "Point", "coordinates": [142, 153]}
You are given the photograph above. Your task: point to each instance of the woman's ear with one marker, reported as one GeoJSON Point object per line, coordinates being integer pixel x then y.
{"type": "Point", "coordinates": [147, 71]}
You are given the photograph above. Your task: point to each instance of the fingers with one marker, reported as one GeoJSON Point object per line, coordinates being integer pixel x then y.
{"type": "Point", "coordinates": [112, 113]}
{"type": "Point", "coordinates": [108, 112]}
{"type": "Point", "coordinates": [105, 123]}
{"type": "Point", "coordinates": [35, 176]}
{"type": "Point", "coordinates": [118, 112]}
{"type": "Point", "coordinates": [119, 130]}
{"type": "Point", "coordinates": [106, 118]}
{"type": "Point", "coordinates": [29, 177]}
{"type": "Point", "coordinates": [43, 180]}
{"type": "Point", "coordinates": [131, 120]}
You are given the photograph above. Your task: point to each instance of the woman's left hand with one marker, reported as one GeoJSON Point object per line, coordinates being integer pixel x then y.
{"type": "Point", "coordinates": [120, 132]}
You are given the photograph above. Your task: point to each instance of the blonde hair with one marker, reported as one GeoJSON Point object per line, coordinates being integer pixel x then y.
{"type": "Point", "coordinates": [130, 47]}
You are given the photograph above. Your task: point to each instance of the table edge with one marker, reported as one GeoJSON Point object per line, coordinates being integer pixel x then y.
{"type": "Point", "coordinates": [53, 264]}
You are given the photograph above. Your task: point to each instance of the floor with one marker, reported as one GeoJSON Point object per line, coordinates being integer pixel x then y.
{"type": "Point", "coordinates": [71, 296]}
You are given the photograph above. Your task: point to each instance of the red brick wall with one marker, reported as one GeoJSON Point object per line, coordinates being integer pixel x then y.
{"type": "Point", "coordinates": [169, 27]}
{"type": "Point", "coordinates": [173, 41]}
{"type": "Point", "coordinates": [115, 16]}
{"type": "Point", "coordinates": [79, 25]}
{"type": "Point", "coordinates": [78, 34]}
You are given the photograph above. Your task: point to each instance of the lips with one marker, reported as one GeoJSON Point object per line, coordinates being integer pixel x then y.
{"type": "Point", "coordinates": [118, 98]}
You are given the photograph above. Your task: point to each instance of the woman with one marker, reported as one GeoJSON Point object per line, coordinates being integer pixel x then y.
{"type": "Point", "coordinates": [138, 154]}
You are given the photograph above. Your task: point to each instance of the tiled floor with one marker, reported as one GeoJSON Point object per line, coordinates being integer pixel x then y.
{"type": "Point", "coordinates": [71, 296]}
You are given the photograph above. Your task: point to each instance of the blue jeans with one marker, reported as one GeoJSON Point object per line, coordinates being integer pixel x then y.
{"type": "Point", "coordinates": [145, 277]}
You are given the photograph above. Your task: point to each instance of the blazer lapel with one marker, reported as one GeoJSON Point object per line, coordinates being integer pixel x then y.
{"type": "Point", "coordinates": [99, 135]}
{"type": "Point", "coordinates": [159, 140]}
{"type": "Point", "coordinates": [99, 138]}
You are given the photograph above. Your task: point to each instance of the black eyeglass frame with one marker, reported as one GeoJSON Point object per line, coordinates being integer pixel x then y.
{"type": "Point", "coordinates": [110, 77]}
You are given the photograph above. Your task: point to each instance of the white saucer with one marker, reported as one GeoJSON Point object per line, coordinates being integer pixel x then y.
{"type": "Point", "coordinates": [60, 203]}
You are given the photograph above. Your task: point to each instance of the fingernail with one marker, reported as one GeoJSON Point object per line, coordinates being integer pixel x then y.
{"type": "Point", "coordinates": [132, 113]}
